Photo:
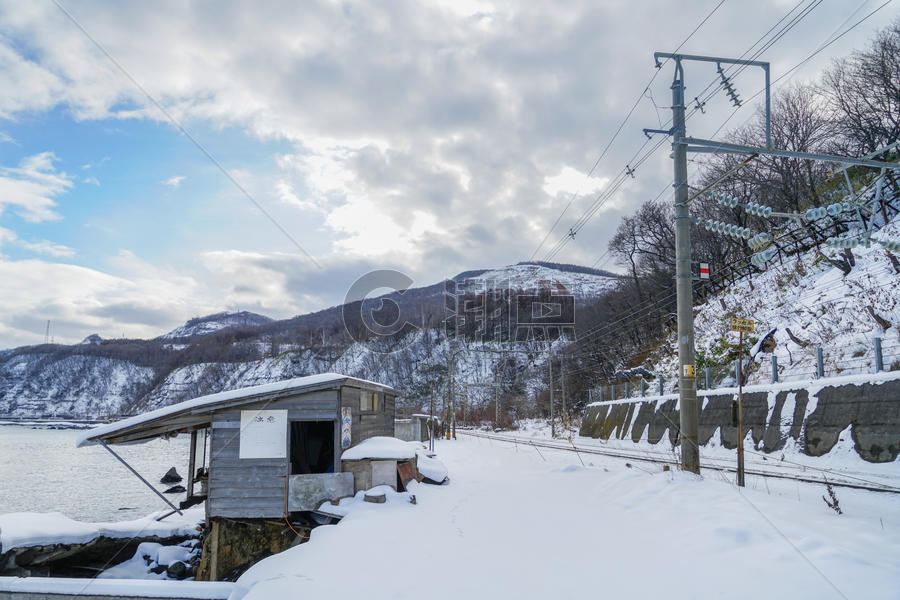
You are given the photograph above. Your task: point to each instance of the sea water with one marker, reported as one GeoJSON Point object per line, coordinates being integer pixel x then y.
{"type": "Point", "coordinates": [41, 470]}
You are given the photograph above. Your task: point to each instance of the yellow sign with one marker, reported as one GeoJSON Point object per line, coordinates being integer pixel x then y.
{"type": "Point", "coordinates": [738, 324]}
{"type": "Point", "coordinates": [689, 370]}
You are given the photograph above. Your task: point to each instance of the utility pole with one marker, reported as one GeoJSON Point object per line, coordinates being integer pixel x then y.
{"type": "Point", "coordinates": [562, 383]}
{"type": "Point", "coordinates": [687, 382]}
{"type": "Point", "coordinates": [431, 420]}
{"type": "Point", "coordinates": [552, 424]}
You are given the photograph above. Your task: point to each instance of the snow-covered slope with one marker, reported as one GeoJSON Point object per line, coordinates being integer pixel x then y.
{"type": "Point", "coordinates": [212, 323]}
{"type": "Point", "coordinates": [583, 285]}
{"type": "Point", "coordinates": [812, 300]}
{"type": "Point", "coordinates": [41, 385]}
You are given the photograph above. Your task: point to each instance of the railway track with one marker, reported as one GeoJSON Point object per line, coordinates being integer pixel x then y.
{"type": "Point", "coordinates": [834, 478]}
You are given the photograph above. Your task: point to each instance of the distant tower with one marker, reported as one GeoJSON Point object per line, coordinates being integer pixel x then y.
{"type": "Point", "coordinates": [47, 334]}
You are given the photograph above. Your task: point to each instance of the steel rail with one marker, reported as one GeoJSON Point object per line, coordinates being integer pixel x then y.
{"type": "Point", "coordinates": [624, 454]}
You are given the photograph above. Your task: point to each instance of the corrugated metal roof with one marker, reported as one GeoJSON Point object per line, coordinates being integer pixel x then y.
{"type": "Point", "coordinates": [195, 413]}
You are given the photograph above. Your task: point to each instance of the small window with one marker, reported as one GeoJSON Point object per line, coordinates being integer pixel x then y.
{"type": "Point", "coordinates": [369, 401]}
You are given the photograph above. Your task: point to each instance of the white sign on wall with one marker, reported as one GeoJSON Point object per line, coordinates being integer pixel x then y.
{"type": "Point", "coordinates": [263, 434]}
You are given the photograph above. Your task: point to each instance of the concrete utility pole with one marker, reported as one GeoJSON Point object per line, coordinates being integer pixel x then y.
{"type": "Point", "coordinates": [552, 424]}
{"type": "Point", "coordinates": [687, 381]}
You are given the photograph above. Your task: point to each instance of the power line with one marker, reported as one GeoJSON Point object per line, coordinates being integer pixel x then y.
{"type": "Point", "coordinates": [619, 130]}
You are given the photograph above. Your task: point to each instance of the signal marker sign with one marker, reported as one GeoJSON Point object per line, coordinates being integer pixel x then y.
{"type": "Point", "coordinates": [704, 270]}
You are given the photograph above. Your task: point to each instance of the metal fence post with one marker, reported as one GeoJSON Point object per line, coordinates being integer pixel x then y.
{"type": "Point", "coordinates": [643, 387]}
{"type": "Point", "coordinates": [660, 385]}
{"type": "Point", "coordinates": [879, 358]}
{"type": "Point", "coordinates": [820, 363]}
{"type": "Point", "coordinates": [628, 389]}
{"type": "Point", "coordinates": [707, 377]}
{"type": "Point", "coordinates": [612, 391]}
{"type": "Point", "coordinates": [774, 369]}
{"type": "Point", "coordinates": [600, 389]}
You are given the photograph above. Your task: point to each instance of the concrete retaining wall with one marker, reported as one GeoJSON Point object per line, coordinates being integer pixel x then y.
{"type": "Point", "coordinates": [813, 414]}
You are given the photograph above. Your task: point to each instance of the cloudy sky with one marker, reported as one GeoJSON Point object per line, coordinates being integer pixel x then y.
{"type": "Point", "coordinates": [430, 137]}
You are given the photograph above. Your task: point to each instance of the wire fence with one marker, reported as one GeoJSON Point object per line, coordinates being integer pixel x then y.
{"type": "Point", "coordinates": [817, 363]}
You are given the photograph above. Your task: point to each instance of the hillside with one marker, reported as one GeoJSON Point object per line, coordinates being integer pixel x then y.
{"type": "Point", "coordinates": [99, 378]}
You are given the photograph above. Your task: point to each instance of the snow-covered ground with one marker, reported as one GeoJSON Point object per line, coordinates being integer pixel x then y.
{"type": "Point", "coordinates": [820, 305]}
{"type": "Point", "coordinates": [21, 530]}
{"type": "Point", "coordinates": [841, 464]}
{"type": "Point", "coordinates": [517, 522]}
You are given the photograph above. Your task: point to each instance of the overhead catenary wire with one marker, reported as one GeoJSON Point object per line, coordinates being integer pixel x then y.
{"type": "Point", "coordinates": [619, 129]}
{"type": "Point", "coordinates": [619, 180]}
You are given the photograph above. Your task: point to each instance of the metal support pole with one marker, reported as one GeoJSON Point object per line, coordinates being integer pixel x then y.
{"type": "Point", "coordinates": [774, 369]}
{"type": "Point", "coordinates": [687, 384]}
{"type": "Point", "coordinates": [879, 359]}
{"type": "Point", "coordinates": [628, 389]}
{"type": "Point", "coordinates": [643, 387]}
{"type": "Point", "coordinates": [191, 464]}
{"type": "Point", "coordinates": [612, 391]}
{"type": "Point", "coordinates": [552, 424]}
{"type": "Point", "coordinates": [707, 377]}
{"type": "Point", "coordinates": [139, 476]}
{"type": "Point", "coordinates": [820, 363]}
{"type": "Point", "coordinates": [740, 431]}
{"type": "Point", "coordinates": [660, 385]}
{"type": "Point", "coordinates": [737, 371]}
{"type": "Point", "coordinates": [600, 389]}
{"type": "Point", "coordinates": [431, 420]}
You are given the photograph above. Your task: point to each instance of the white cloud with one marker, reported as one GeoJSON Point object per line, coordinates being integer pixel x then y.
{"type": "Point", "coordinates": [31, 188]}
{"type": "Point", "coordinates": [435, 136]}
{"type": "Point", "coordinates": [572, 181]}
{"type": "Point", "coordinates": [9, 237]}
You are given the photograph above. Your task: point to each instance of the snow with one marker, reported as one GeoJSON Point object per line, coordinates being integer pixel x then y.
{"type": "Point", "coordinates": [382, 447]}
{"type": "Point", "coordinates": [88, 436]}
{"type": "Point", "coordinates": [199, 590]}
{"type": "Point", "coordinates": [24, 529]}
{"type": "Point", "coordinates": [513, 523]}
{"type": "Point", "coordinates": [432, 468]}
{"type": "Point", "coordinates": [147, 556]}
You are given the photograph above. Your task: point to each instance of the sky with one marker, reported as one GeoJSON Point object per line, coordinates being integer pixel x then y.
{"type": "Point", "coordinates": [161, 161]}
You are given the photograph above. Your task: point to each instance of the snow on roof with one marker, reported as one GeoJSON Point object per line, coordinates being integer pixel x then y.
{"type": "Point", "coordinates": [90, 436]}
{"type": "Point", "coordinates": [123, 588]}
{"type": "Point", "coordinates": [22, 530]}
{"type": "Point", "coordinates": [382, 447]}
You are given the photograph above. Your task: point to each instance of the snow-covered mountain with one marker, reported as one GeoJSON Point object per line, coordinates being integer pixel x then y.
{"type": "Point", "coordinates": [100, 378]}
{"type": "Point", "coordinates": [200, 326]}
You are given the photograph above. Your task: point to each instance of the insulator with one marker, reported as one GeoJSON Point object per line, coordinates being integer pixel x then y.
{"type": "Point", "coordinates": [842, 242]}
{"type": "Point", "coordinates": [835, 209]}
{"type": "Point", "coordinates": [759, 210]}
{"type": "Point", "coordinates": [746, 233]}
{"type": "Point", "coordinates": [761, 258]}
{"type": "Point", "coordinates": [816, 213]}
{"type": "Point", "coordinates": [890, 245]}
{"type": "Point", "coordinates": [709, 224]}
{"type": "Point", "coordinates": [847, 207]}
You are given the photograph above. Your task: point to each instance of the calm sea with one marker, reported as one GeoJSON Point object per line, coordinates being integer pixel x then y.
{"type": "Point", "coordinates": [41, 470]}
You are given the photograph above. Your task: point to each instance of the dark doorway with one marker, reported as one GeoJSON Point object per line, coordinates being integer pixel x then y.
{"type": "Point", "coordinates": [312, 447]}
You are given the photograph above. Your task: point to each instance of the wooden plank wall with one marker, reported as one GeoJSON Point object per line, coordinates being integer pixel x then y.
{"type": "Point", "coordinates": [368, 424]}
{"type": "Point", "coordinates": [253, 488]}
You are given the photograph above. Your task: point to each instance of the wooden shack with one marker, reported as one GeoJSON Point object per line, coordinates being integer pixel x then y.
{"type": "Point", "coordinates": [272, 449]}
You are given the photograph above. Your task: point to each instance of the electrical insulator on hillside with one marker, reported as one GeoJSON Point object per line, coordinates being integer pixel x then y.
{"type": "Point", "coordinates": [891, 245]}
{"type": "Point", "coordinates": [759, 210]}
{"type": "Point", "coordinates": [728, 229]}
{"type": "Point", "coordinates": [759, 240]}
{"type": "Point", "coordinates": [837, 208]}
{"type": "Point", "coordinates": [834, 242]}
{"type": "Point", "coordinates": [727, 201]}
{"type": "Point", "coordinates": [761, 258]}
{"type": "Point", "coordinates": [813, 214]}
